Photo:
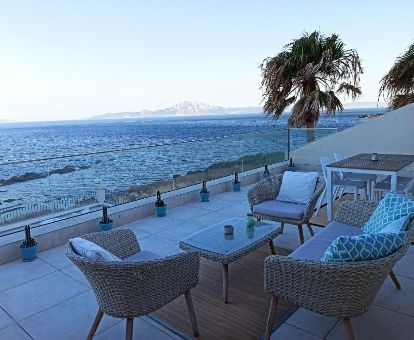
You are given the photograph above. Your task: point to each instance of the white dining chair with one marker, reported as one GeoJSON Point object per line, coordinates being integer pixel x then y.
{"type": "Point", "coordinates": [370, 179]}
{"type": "Point", "coordinates": [405, 186]}
{"type": "Point", "coordinates": [339, 185]}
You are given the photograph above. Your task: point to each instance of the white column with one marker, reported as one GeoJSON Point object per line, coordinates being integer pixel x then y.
{"type": "Point", "coordinates": [394, 181]}
{"type": "Point", "coordinates": [100, 192]}
{"type": "Point", "coordinates": [329, 192]}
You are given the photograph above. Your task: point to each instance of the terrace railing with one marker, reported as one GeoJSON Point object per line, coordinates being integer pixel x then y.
{"type": "Point", "coordinates": [46, 190]}
{"type": "Point", "coordinates": [299, 137]}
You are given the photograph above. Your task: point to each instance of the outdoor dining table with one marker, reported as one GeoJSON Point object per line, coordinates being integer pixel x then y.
{"type": "Point", "coordinates": [386, 164]}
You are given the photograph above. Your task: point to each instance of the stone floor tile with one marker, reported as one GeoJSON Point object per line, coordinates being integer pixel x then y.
{"type": "Point", "coordinates": [401, 300]}
{"type": "Point", "coordinates": [240, 210]}
{"type": "Point", "coordinates": [5, 319]}
{"type": "Point", "coordinates": [70, 319]}
{"type": "Point", "coordinates": [405, 267]}
{"type": "Point", "coordinates": [314, 323]}
{"type": "Point", "coordinates": [214, 204]}
{"type": "Point", "coordinates": [56, 257]}
{"type": "Point", "coordinates": [214, 217]}
{"type": "Point", "coordinates": [182, 231]}
{"type": "Point", "coordinates": [287, 331]}
{"type": "Point", "coordinates": [32, 297]}
{"type": "Point", "coordinates": [185, 213]}
{"type": "Point", "coordinates": [159, 245]}
{"type": "Point", "coordinates": [138, 232]}
{"type": "Point", "coordinates": [154, 224]}
{"type": "Point", "coordinates": [234, 196]}
{"type": "Point", "coordinates": [18, 272]}
{"type": "Point", "coordinates": [13, 332]}
{"type": "Point", "coordinates": [75, 273]}
{"type": "Point", "coordinates": [377, 324]}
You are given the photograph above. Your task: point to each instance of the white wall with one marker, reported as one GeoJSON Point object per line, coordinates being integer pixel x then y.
{"type": "Point", "coordinates": [391, 133]}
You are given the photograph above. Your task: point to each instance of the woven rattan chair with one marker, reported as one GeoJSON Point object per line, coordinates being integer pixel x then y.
{"type": "Point", "coordinates": [341, 290]}
{"type": "Point", "coordinates": [267, 190]}
{"type": "Point", "coordinates": [131, 289]}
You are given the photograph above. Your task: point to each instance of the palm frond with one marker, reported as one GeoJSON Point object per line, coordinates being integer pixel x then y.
{"type": "Point", "coordinates": [307, 73]}
{"type": "Point", "coordinates": [401, 100]}
{"type": "Point", "coordinates": [397, 86]}
{"type": "Point", "coordinates": [349, 90]}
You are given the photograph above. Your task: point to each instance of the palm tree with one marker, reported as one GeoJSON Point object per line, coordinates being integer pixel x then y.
{"type": "Point", "coordinates": [399, 81]}
{"type": "Point", "coordinates": [309, 73]}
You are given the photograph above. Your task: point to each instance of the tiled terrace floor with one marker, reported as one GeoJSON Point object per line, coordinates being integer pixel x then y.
{"type": "Point", "coordinates": [49, 298]}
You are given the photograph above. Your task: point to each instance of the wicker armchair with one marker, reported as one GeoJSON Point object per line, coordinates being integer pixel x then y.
{"type": "Point", "coordinates": [267, 190]}
{"type": "Point", "coordinates": [341, 290]}
{"type": "Point", "coordinates": [131, 289]}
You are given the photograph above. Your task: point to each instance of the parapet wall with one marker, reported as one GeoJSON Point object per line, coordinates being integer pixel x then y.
{"type": "Point", "coordinates": [391, 133]}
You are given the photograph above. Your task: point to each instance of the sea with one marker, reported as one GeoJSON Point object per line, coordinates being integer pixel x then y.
{"type": "Point", "coordinates": [28, 141]}
{"type": "Point", "coordinates": [48, 161]}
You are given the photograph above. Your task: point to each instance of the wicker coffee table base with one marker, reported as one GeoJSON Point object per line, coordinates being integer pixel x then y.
{"type": "Point", "coordinates": [226, 275]}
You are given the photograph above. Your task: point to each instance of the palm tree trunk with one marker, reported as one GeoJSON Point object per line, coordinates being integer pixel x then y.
{"type": "Point", "coordinates": [310, 132]}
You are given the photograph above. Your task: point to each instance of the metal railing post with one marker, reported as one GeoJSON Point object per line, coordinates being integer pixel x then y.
{"type": "Point", "coordinates": [288, 144]}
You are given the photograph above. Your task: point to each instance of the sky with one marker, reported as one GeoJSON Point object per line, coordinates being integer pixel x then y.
{"type": "Point", "coordinates": [74, 59]}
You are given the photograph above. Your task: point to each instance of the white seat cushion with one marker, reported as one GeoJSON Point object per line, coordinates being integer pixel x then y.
{"type": "Point", "coordinates": [297, 187]}
{"type": "Point", "coordinates": [315, 247]}
{"type": "Point", "coordinates": [91, 250]}
{"type": "Point", "coordinates": [280, 209]}
{"type": "Point", "coordinates": [335, 229]}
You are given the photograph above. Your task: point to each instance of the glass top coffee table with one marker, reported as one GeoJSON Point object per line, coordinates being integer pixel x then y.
{"type": "Point", "coordinates": [213, 244]}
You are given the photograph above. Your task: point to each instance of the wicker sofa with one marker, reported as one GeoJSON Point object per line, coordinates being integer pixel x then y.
{"type": "Point", "coordinates": [132, 288]}
{"type": "Point", "coordinates": [264, 206]}
{"type": "Point", "coordinates": [341, 290]}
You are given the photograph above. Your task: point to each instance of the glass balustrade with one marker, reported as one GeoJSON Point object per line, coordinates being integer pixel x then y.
{"type": "Point", "coordinates": [299, 137]}
{"type": "Point", "coordinates": [38, 192]}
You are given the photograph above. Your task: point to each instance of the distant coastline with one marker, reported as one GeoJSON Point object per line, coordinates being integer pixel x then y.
{"type": "Point", "coordinates": [191, 109]}
{"type": "Point", "coordinates": [194, 109]}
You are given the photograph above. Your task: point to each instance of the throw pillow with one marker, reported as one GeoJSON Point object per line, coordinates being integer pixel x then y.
{"type": "Point", "coordinates": [363, 247]}
{"type": "Point", "coordinates": [391, 208]}
{"type": "Point", "coordinates": [91, 250]}
{"type": "Point", "coordinates": [398, 225]}
{"type": "Point", "coordinates": [297, 187]}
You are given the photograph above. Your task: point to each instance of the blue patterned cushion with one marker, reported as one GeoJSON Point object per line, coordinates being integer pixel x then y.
{"type": "Point", "coordinates": [391, 208]}
{"type": "Point", "coordinates": [363, 247]}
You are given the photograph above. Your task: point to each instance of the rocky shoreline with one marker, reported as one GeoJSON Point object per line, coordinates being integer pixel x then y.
{"type": "Point", "coordinates": [31, 176]}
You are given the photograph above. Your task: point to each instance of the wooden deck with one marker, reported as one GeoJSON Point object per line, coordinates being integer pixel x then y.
{"type": "Point", "coordinates": [244, 317]}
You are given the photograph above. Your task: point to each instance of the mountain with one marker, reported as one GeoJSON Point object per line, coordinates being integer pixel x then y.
{"type": "Point", "coordinates": [364, 105]}
{"type": "Point", "coordinates": [186, 108]}
{"type": "Point", "coordinates": [189, 108]}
